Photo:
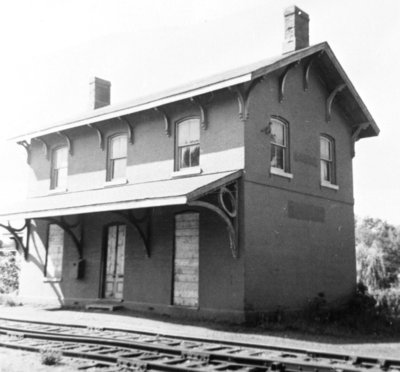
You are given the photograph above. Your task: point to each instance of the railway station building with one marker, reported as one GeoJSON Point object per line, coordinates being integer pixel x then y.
{"type": "Point", "coordinates": [221, 199]}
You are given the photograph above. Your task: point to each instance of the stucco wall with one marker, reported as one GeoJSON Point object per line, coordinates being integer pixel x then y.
{"type": "Point", "coordinates": [299, 236]}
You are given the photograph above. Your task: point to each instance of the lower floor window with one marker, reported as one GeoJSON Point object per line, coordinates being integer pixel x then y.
{"type": "Point", "coordinates": [55, 249]}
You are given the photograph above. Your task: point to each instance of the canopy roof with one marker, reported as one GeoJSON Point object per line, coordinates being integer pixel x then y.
{"type": "Point", "coordinates": [177, 191]}
{"type": "Point", "coordinates": [331, 71]}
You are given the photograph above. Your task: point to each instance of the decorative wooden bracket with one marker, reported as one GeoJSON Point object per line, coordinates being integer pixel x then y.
{"type": "Point", "coordinates": [68, 228]}
{"type": "Point", "coordinates": [243, 96]}
{"type": "Point", "coordinates": [144, 231]}
{"type": "Point", "coordinates": [46, 148]}
{"type": "Point", "coordinates": [129, 127]}
{"type": "Point", "coordinates": [356, 135]}
{"type": "Point", "coordinates": [69, 142]}
{"type": "Point", "coordinates": [330, 99]}
{"type": "Point", "coordinates": [282, 80]}
{"type": "Point", "coordinates": [166, 121]}
{"type": "Point", "coordinates": [18, 239]}
{"type": "Point", "coordinates": [227, 210]}
{"type": "Point", "coordinates": [307, 68]}
{"type": "Point", "coordinates": [99, 134]}
{"type": "Point", "coordinates": [203, 120]}
{"type": "Point", "coordinates": [27, 148]}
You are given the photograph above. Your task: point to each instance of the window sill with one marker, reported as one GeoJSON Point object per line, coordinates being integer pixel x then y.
{"type": "Point", "coordinates": [52, 280]}
{"type": "Point", "coordinates": [329, 185]}
{"type": "Point", "coordinates": [186, 172]}
{"type": "Point", "coordinates": [281, 173]}
{"type": "Point", "coordinates": [58, 191]}
{"type": "Point", "coordinates": [116, 182]}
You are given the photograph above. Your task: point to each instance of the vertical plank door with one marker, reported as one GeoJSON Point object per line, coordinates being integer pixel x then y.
{"type": "Point", "coordinates": [115, 258]}
{"type": "Point", "coordinates": [186, 261]}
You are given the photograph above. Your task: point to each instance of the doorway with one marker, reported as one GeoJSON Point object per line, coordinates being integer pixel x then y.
{"type": "Point", "coordinates": [115, 262]}
{"type": "Point", "coordinates": [186, 260]}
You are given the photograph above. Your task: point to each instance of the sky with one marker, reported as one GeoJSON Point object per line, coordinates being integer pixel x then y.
{"type": "Point", "coordinates": [52, 48]}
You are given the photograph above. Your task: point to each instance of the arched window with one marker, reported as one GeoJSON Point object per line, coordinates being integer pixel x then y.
{"type": "Point", "coordinates": [59, 168]}
{"type": "Point", "coordinates": [188, 143]}
{"type": "Point", "coordinates": [279, 145]}
{"type": "Point", "coordinates": [327, 156]}
{"type": "Point", "coordinates": [117, 157]}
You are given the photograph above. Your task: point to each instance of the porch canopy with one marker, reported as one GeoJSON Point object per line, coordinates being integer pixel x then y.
{"type": "Point", "coordinates": [174, 191]}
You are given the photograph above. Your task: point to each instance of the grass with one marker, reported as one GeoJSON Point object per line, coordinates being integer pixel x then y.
{"type": "Point", "coordinates": [8, 300]}
{"type": "Point", "coordinates": [365, 314]}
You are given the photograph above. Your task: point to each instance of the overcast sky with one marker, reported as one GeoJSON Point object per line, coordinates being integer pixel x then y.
{"type": "Point", "coordinates": [51, 49]}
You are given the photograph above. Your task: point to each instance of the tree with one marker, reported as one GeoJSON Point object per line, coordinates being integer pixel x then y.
{"type": "Point", "coordinates": [378, 253]}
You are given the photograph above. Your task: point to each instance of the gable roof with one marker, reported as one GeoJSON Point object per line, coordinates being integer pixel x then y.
{"type": "Point", "coordinates": [334, 75]}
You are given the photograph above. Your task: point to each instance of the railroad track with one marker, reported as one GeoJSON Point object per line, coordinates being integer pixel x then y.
{"type": "Point", "coordinates": [122, 350]}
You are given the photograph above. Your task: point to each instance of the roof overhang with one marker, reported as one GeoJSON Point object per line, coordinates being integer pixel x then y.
{"type": "Point", "coordinates": [333, 73]}
{"type": "Point", "coordinates": [176, 191]}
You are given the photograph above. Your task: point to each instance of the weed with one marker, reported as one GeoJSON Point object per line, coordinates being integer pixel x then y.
{"type": "Point", "coordinates": [50, 356]}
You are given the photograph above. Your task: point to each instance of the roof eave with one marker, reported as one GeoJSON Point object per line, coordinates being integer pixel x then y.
{"type": "Point", "coordinates": [202, 87]}
{"type": "Point", "coordinates": [373, 129]}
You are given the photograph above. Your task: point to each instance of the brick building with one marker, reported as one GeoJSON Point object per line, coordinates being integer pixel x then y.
{"type": "Point", "coordinates": [224, 198]}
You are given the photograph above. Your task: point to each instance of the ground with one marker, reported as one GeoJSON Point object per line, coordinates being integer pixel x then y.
{"type": "Point", "coordinates": [21, 361]}
{"type": "Point", "coordinates": [15, 361]}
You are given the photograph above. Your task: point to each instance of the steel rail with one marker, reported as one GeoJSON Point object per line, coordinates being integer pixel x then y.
{"type": "Point", "coordinates": [287, 359]}
{"type": "Point", "coordinates": [144, 362]}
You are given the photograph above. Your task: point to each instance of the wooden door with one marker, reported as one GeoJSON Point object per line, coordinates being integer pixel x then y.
{"type": "Point", "coordinates": [115, 259]}
{"type": "Point", "coordinates": [186, 261]}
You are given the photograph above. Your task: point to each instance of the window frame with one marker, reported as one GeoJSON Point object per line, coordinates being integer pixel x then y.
{"type": "Point", "coordinates": [331, 162]}
{"type": "Point", "coordinates": [177, 166]}
{"type": "Point", "coordinates": [54, 172]}
{"type": "Point", "coordinates": [47, 276]}
{"type": "Point", "coordinates": [285, 171]}
{"type": "Point", "coordinates": [110, 160]}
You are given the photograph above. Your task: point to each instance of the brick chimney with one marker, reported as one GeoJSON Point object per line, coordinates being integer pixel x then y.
{"type": "Point", "coordinates": [296, 29]}
{"type": "Point", "coordinates": [99, 93]}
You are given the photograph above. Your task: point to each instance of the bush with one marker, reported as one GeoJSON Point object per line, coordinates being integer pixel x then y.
{"type": "Point", "coordinates": [50, 356]}
{"type": "Point", "coordinates": [365, 313]}
{"type": "Point", "coordinates": [9, 272]}
{"type": "Point", "coordinates": [388, 302]}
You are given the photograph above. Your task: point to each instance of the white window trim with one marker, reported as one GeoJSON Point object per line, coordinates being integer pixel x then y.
{"type": "Point", "coordinates": [329, 185]}
{"type": "Point", "coordinates": [280, 172]}
{"type": "Point", "coordinates": [189, 171]}
{"type": "Point", "coordinates": [178, 170]}
{"type": "Point", "coordinates": [116, 182]}
{"type": "Point", "coordinates": [58, 191]}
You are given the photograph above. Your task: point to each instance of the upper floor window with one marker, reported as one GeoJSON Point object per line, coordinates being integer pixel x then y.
{"type": "Point", "coordinates": [279, 146]}
{"type": "Point", "coordinates": [117, 157]}
{"type": "Point", "coordinates": [327, 156]}
{"type": "Point", "coordinates": [188, 144]}
{"type": "Point", "coordinates": [59, 168]}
